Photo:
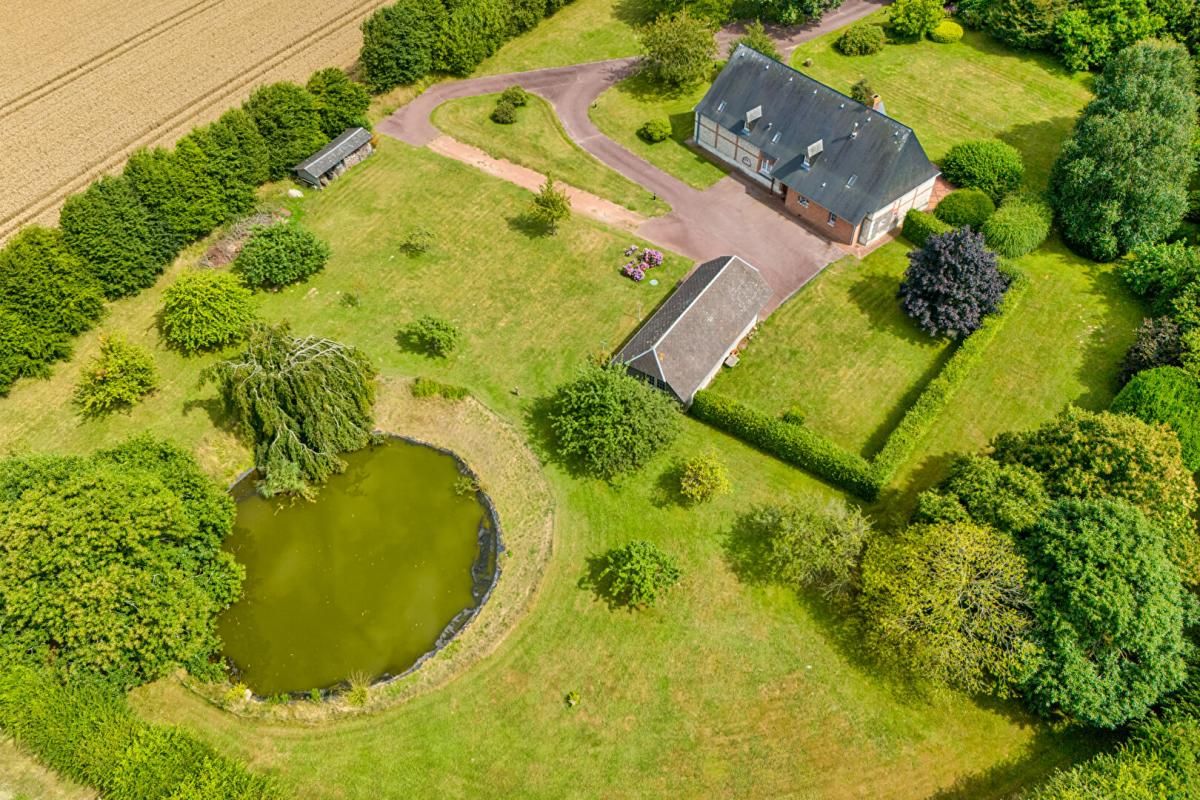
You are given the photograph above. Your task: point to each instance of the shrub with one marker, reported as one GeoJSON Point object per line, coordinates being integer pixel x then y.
{"type": "Point", "coordinates": [655, 130]}
{"type": "Point", "coordinates": [84, 729]}
{"type": "Point", "coordinates": [679, 49]}
{"type": "Point", "coordinates": [515, 95]}
{"type": "Point", "coordinates": [951, 284]}
{"type": "Point", "coordinates": [862, 39]}
{"type": "Point", "coordinates": [1166, 395]}
{"type": "Point", "coordinates": [1160, 272]}
{"type": "Point", "coordinates": [862, 92]}
{"type": "Point", "coordinates": [610, 423]}
{"type": "Point", "coordinates": [1008, 497]}
{"type": "Point", "coordinates": [432, 335]}
{"type": "Point", "coordinates": [289, 119]}
{"type": "Point", "coordinates": [505, 113]}
{"type": "Point", "coordinates": [26, 351]}
{"type": "Point", "coordinates": [987, 164]}
{"type": "Point", "coordinates": [1110, 613]}
{"type": "Point", "coordinates": [428, 387]}
{"type": "Point", "coordinates": [119, 377]}
{"type": "Point", "coordinates": [417, 241]}
{"type": "Point", "coordinates": [1158, 344]}
{"type": "Point", "coordinates": [47, 286]}
{"type": "Point", "coordinates": [205, 310]}
{"type": "Point", "coordinates": [638, 573]}
{"type": "Point", "coordinates": [920, 225]}
{"type": "Point", "coordinates": [115, 559]}
{"type": "Point", "coordinates": [948, 602]}
{"type": "Point", "coordinates": [787, 441]}
{"type": "Point", "coordinates": [912, 19]}
{"type": "Point", "coordinates": [965, 207]}
{"type": "Point", "coordinates": [107, 227]}
{"type": "Point", "coordinates": [278, 255]}
{"type": "Point", "coordinates": [811, 546]}
{"type": "Point", "coordinates": [1019, 226]}
{"type": "Point", "coordinates": [303, 401]}
{"type": "Point", "coordinates": [946, 32]}
{"type": "Point", "coordinates": [757, 38]}
{"type": "Point", "coordinates": [341, 102]}
{"type": "Point", "coordinates": [401, 42]}
{"type": "Point", "coordinates": [550, 207]}
{"type": "Point", "coordinates": [703, 477]}
{"type": "Point", "coordinates": [1024, 24]}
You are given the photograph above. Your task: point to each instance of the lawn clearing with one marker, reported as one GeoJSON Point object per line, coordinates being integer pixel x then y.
{"type": "Point", "coordinates": [842, 352]}
{"type": "Point", "coordinates": [976, 88]}
{"type": "Point", "coordinates": [23, 778]}
{"type": "Point", "coordinates": [624, 108]}
{"type": "Point", "coordinates": [537, 140]}
{"type": "Point", "coordinates": [582, 31]}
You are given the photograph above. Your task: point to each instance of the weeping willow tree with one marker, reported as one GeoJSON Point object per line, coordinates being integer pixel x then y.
{"type": "Point", "coordinates": [304, 400]}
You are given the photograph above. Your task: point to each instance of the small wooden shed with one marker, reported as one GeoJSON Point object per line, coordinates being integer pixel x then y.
{"type": "Point", "coordinates": [349, 148]}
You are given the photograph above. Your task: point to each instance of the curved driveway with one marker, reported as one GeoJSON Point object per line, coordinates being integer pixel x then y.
{"type": "Point", "coordinates": [733, 217]}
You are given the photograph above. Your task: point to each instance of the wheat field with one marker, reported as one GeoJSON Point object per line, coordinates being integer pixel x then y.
{"type": "Point", "coordinates": [83, 83]}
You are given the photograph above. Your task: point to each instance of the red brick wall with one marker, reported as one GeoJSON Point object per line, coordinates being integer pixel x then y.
{"type": "Point", "coordinates": [818, 218]}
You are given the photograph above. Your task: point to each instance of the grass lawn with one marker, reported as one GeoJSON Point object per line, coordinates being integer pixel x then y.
{"type": "Point", "coordinates": [23, 778]}
{"type": "Point", "coordinates": [621, 110]}
{"type": "Point", "coordinates": [579, 32]}
{"type": "Point", "coordinates": [728, 689]}
{"type": "Point", "coordinates": [842, 352]}
{"type": "Point", "coordinates": [1063, 345]}
{"type": "Point", "coordinates": [976, 88]}
{"type": "Point", "coordinates": [537, 140]}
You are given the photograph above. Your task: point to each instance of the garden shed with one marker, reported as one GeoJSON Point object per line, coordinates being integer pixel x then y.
{"type": "Point", "coordinates": [349, 148]}
{"type": "Point", "coordinates": [682, 345]}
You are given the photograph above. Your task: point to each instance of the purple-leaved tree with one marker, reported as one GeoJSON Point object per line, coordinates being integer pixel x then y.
{"type": "Point", "coordinates": [952, 283]}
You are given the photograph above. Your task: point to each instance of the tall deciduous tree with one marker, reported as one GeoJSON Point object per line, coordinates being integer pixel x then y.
{"type": "Point", "coordinates": [679, 49]}
{"type": "Point", "coordinates": [303, 401]}
{"type": "Point", "coordinates": [949, 603]}
{"type": "Point", "coordinates": [26, 351]}
{"type": "Point", "coordinates": [178, 191]}
{"type": "Point", "coordinates": [402, 42]}
{"type": "Point", "coordinates": [342, 102]}
{"type": "Point", "coordinates": [952, 283]}
{"type": "Point", "coordinates": [1109, 607]}
{"type": "Point", "coordinates": [46, 285]}
{"type": "Point", "coordinates": [237, 158]}
{"type": "Point", "coordinates": [289, 120]}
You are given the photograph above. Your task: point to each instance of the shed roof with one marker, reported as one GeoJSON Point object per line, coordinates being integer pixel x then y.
{"type": "Point", "coordinates": [689, 335]}
{"type": "Point", "coordinates": [331, 154]}
{"type": "Point", "coordinates": [867, 159]}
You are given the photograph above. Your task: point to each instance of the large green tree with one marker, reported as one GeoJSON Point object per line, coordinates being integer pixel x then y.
{"type": "Point", "coordinates": [237, 158]}
{"type": "Point", "coordinates": [679, 49]}
{"type": "Point", "coordinates": [1168, 395]}
{"type": "Point", "coordinates": [342, 102]}
{"type": "Point", "coordinates": [114, 561]}
{"type": "Point", "coordinates": [402, 42]}
{"type": "Point", "coordinates": [1121, 180]}
{"type": "Point", "coordinates": [1009, 497]}
{"type": "Point", "coordinates": [46, 285]}
{"type": "Point", "coordinates": [1091, 456]}
{"type": "Point", "coordinates": [178, 191]}
{"type": "Point", "coordinates": [949, 603]}
{"type": "Point", "coordinates": [26, 351]}
{"type": "Point", "coordinates": [810, 546]}
{"type": "Point", "coordinates": [303, 401]}
{"type": "Point", "coordinates": [289, 119]}
{"type": "Point", "coordinates": [1110, 611]}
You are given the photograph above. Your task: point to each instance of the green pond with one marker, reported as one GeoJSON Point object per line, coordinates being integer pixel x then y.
{"type": "Point", "coordinates": [363, 580]}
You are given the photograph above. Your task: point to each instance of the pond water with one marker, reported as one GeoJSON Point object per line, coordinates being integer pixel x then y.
{"type": "Point", "coordinates": [365, 579]}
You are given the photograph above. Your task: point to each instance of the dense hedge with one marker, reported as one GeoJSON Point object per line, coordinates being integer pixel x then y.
{"type": "Point", "coordinates": [861, 40]}
{"type": "Point", "coordinates": [289, 119]}
{"type": "Point", "coordinates": [1019, 226]}
{"type": "Point", "coordinates": [788, 441]}
{"type": "Point", "coordinates": [1170, 395]}
{"type": "Point", "coordinates": [84, 729]}
{"type": "Point", "coordinates": [26, 351]}
{"type": "Point", "coordinates": [279, 255]}
{"type": "Point", "coordinates": [796, 444]}
{"type": "Point", "coordinates": [920, 225]}
{"type": "Point", "coordinates": [46, 285]}
{"type": "Point", "coordinates": [988, 164]}
{"type": "Point", "coordinates": [946, 32]}
{"type": "Point", "coordinates": [965, 207]}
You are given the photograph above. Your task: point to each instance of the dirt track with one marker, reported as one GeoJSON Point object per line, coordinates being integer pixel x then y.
{"type": "Point", "coordinates": [82, 88]}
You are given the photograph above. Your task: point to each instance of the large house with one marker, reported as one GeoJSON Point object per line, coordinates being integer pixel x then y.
{"type": "Point", "coordinates": [684, 342]}
{"type": "Point", "coordinates": [845, 168]}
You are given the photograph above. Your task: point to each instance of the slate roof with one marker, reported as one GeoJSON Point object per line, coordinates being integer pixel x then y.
{"type": "Point", "coordinates": [328, 156]}
{"type": "Point", "coordinates": [690, 334]}
{"type": "Point", "coordinates": [883, 157]}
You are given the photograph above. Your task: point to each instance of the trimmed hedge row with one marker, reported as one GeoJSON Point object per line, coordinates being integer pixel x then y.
{"type": "Point", "coordinates": [798, 445]}
{"type": "Point", "coordinates": [920, 225]}
{"type": "Point", "coordinates": [86, 731]}
{"type": "Point", "coordinates": [788, 441]}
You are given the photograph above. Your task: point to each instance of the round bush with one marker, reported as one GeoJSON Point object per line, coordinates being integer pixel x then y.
{"type": "Point", "coordinates": [515, 95]}
{"type": "Point", "coordinates": [987, 164]}
{"type": "Point", "coordinates": [120, 376]}
{"type": "Point", "coordinates": [655, 130]}
{"type": "Point", "coordinates": [946, 32]}
{"type": "Point", "coordinates": [638, 573]}
{"type": "Point", "coordinates": [204, 310]}
{"type": "Point", "coordinates": [861, 40]}
{"type": "Point", "coordinates": [1169, 395]}
{"type": "Point", "coordinates": [920, 225]}
{"type": "Point", "coordinates": [1018, 227]}
{"type": "Point", "coordinates": [703, 477]}
{"type": "Point", "coordinates": [965, 207]}
{"type": "Point", "coordinates": [505, 113]}
{"type": "Point", "coordinates": [279, 255]}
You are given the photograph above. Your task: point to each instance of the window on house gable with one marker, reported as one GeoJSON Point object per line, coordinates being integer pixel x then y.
{"type": "Point", "coordinates": [832, 219]}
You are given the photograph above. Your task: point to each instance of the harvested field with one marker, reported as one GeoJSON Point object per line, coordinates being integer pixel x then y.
{"type": "Point", "coordinates": [83, 87]}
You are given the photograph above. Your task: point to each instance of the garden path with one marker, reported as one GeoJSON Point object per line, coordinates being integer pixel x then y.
{"type": "Point", "coordinates": [733, 217]}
